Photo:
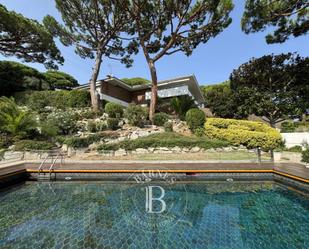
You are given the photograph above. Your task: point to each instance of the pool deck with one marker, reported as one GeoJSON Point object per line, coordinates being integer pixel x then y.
{"type": "Point", "coordinates": [292, 170]}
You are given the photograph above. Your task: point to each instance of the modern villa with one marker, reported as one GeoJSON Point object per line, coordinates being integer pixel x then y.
{"type": "Point", "coordinates": [115, 90]}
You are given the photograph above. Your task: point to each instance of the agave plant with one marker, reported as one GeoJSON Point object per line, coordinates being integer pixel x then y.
{"type": "Point", "coordinates": [13, 120]}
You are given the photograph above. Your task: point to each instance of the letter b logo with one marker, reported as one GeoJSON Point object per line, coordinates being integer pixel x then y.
{"type": "Point", "coordinates": [150, 199]}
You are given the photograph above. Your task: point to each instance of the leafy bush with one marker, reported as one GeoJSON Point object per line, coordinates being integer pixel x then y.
{"type": "Point", "coordinates": [14, 121]}
{"type": "Point", "coordinates": [305, 156]}
{"type": "Point", "coordinates": [91, 126]}
{"type": "Point", "coordinates": [101, 126]}
{"type": "Point", "coordinates": [37, 100]}
{"type": "Point", "coordinates": [256, 134]}
{"type": "Point", "coordinates": [49, 130]}
{"type": "Point", "coordinates": [288, 126]}
{"type": "Point", "coordinates": [96, 126]}
{"type": "Point", "coordinates": [112, 123]}
{"type": "Point", "coordinates": [83, 142]}
{"type": "Point", "coordinates": [78, 98]}
{"type": "Point", "coordinates": [160, 118]}
{"type": "Point", "coordinates": [136, 115]}
{"type": "Point", "coordinates": [168, 127]}
{"type": "Point", "coordinates": [32, 145]}
{"type": "Point", "coordinates": [114, 110]}
{"type": "Point", "coordinates": [167, 139]}
{"type": "Point", "coordinates": [65, 121]}
{"type": "Point", "coordinates": [89, 114]}
{"type": "Point", "coordinates": [199, 132]}
{"type": "Point", "coordinates": [195, 118]}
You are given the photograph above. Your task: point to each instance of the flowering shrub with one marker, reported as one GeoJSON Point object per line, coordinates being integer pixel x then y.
{"type": "Point", "coordinates": [65, 121]}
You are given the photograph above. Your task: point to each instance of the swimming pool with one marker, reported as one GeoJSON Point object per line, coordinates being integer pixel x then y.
{"type": "Point", "coordinates": [212, 215]}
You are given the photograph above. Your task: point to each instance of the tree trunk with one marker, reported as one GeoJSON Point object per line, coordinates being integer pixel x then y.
{"type": "Point", "coordinates": [95, 100]}
{"type": "Point", "coordinates": [154, 90]}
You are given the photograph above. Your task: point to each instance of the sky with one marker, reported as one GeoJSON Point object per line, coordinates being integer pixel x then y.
{"type": "Point", "coordinates": [211, 62]}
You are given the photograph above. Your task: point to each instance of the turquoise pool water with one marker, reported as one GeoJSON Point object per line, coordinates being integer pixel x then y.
{"type": "Point", "coordinates": [113, 215]}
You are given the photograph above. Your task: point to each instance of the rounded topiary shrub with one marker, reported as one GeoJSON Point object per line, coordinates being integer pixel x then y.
{"type": "Point", "coordinates": [114, 110]}
{"type": "Point", "coordinates": [195, 118]}
{"type": "Point", "coordinates": [160, 118]}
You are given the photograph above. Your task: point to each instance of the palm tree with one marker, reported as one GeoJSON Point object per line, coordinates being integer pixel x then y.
{"type": "Point", "coordinates": [181, 105]}
{"type": "Point", "coordinates": [13, 120]}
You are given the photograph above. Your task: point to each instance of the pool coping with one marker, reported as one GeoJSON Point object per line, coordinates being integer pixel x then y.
{"type": "Point", "coordinates": [297, 172]}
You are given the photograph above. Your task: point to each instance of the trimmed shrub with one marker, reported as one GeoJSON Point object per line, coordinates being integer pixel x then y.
{"type": "Point", "coordinates": [255, 134]}
{"type": "Point", "coordinates": [114, 110]}
{"type": "Point", "coordinates": [32, 145]}
{"type": "Point", "coordinates": [112, 123]}
{"type": "Point", "coordinates": [160, 118]}
{"type": "Point", "coordinates": [195, 118]}
{"type": "Point", "coordinates": [305, 156]}
{"type": "Point", "coordinates": [168, 127]}
{"type": "Point", "coordinates": [166, 139]}
{"type": "Point", "coordinates": [136, 115]}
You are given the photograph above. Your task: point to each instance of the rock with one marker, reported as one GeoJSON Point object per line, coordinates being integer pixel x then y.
{"type": "Point", "coordinates": [176, 149]}
{"type": "Point", "coordinates": [195, 149]}
{"type": "Point", "coordinates": [211, 150]}
{"type": "Point", "coordinates": [227, 149]}
{"type": "Point", "coordinates": [31, 156]}
{"type": "Point", "coordinates": [185, 150]}
{"type": "Point", "coordinates": [120, 152]}
{"type": "Point", "coordinates": [94, 146]}
{"type": "Point", "coordinates": [13, 155]}
{"type": "Point", "coordinates": [163, 150]}
{"type": "Point", "coordinates": [151, 149]}
{"type": "Point", "coordinates": [64, 147]}
{"type": "Point", "coordinates": [141, 151]}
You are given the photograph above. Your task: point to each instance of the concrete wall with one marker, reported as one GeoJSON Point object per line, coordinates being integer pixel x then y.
{"type": "Point", "coordinates": [295, 138]}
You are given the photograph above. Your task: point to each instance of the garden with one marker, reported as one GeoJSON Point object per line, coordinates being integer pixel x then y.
{"type": "Point", "coordinates": [63, 120]}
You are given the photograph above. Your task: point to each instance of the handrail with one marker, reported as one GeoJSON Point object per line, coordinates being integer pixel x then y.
{"type": "Point", "coordinates": [53, 163]}
{"type": "Point", "coordinates": [42, 163]}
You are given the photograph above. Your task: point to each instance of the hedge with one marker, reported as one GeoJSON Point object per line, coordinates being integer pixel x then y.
{"type": "Point", "coordinates": [166, 139]}
{"type": "Point", "coordinates": [37, 100]}
{"type": "Point", "coordinates": [251, 134]}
